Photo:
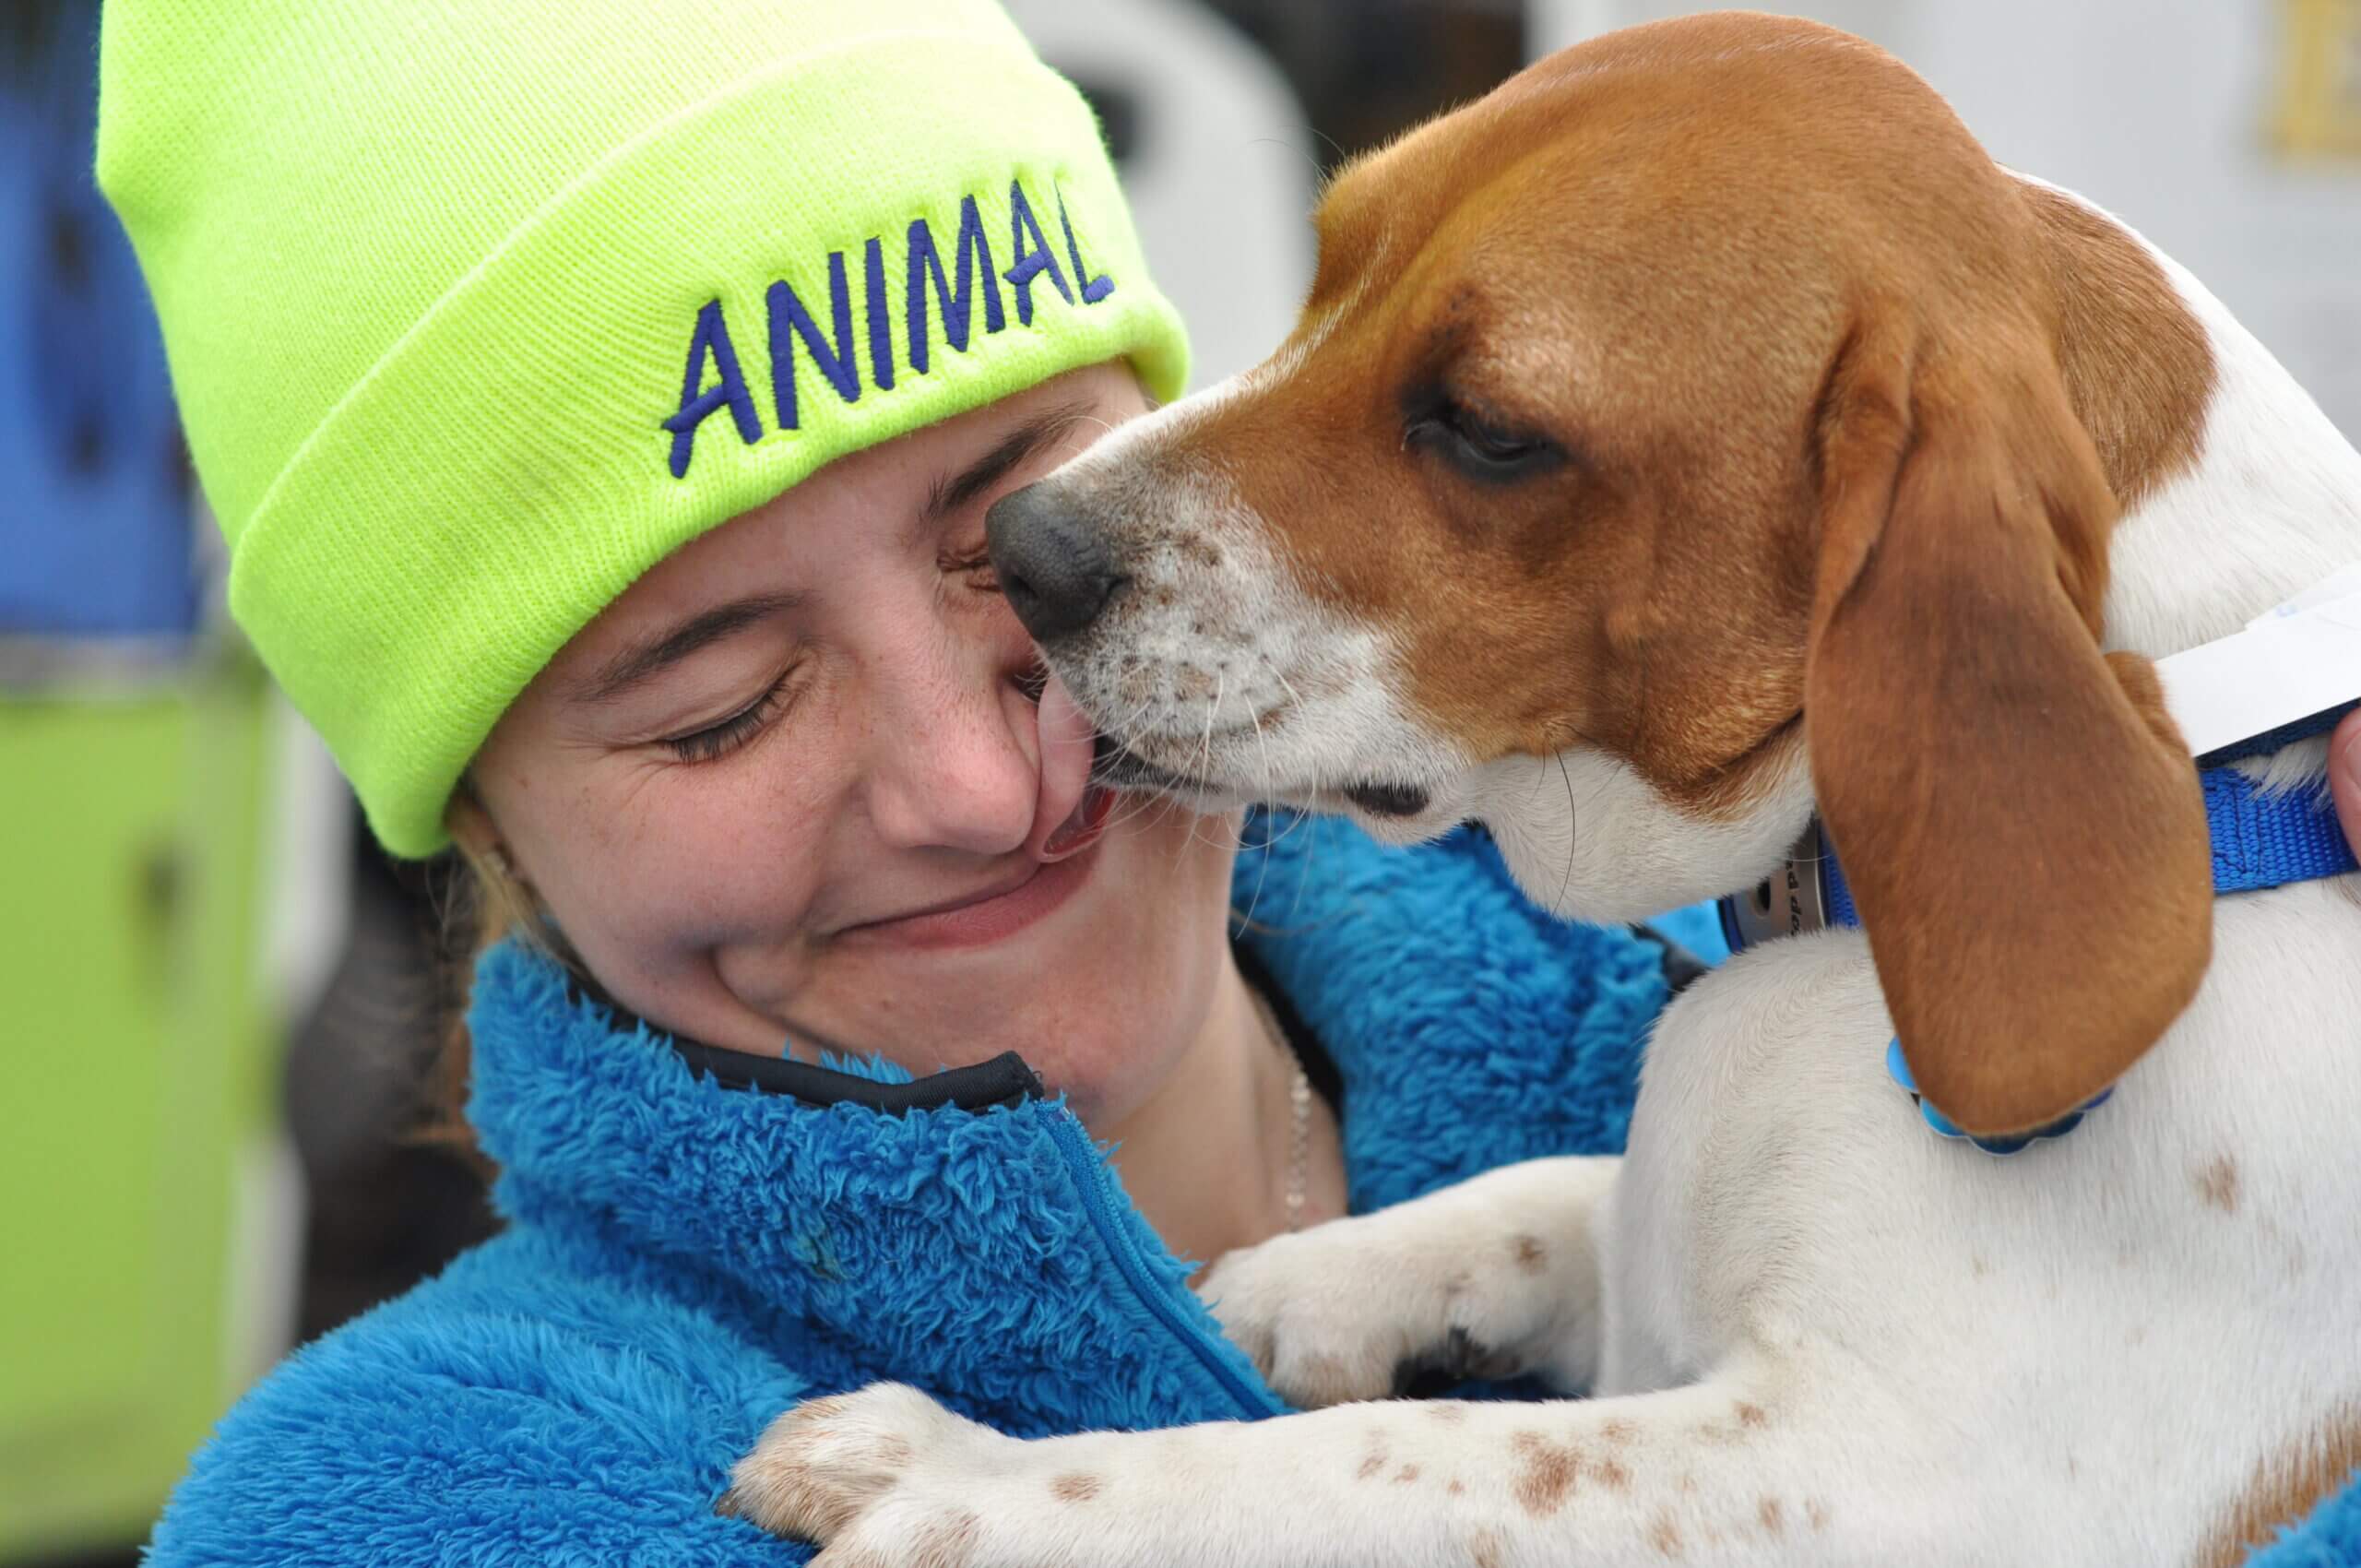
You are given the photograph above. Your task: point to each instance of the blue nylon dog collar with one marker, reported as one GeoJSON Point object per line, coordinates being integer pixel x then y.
{"type": "Point", "coordinates": [2259, 840]}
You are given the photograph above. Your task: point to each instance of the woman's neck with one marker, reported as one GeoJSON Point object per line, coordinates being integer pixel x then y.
{"type": "Point", "coordinates": [1208, 1159]}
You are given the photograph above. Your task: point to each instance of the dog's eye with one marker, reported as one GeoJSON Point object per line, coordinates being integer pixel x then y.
{"type": "Point", "coordinates": [1478, 446]}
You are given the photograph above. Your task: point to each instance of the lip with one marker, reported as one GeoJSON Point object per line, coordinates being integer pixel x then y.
{"type": "Point", "coordinates": [994, 915]}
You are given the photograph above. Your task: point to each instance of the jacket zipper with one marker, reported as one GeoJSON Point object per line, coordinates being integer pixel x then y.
{"type": "Point", "coordinates": [1096, 1185]}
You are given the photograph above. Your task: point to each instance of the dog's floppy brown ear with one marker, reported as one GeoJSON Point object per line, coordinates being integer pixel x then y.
{"type": "Point", "coordinates": [2015, 812]}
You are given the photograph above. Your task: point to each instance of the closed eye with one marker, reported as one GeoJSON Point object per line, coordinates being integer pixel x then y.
{"type": "Point", "coordinates": [975, 565]}
{"type": "Point", "coordinates": [717, 740]}
{"type": "Point", "coordinates": [1481, 447]}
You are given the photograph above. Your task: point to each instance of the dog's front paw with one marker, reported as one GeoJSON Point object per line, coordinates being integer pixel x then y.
{"type": "Point", "coordinates": [874, 1474]}
{"type": "Point", "coordinates": [1356, 1308]}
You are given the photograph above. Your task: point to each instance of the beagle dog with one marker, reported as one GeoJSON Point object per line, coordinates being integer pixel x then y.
{"type": "Point", "coordinates": [1698, 436]}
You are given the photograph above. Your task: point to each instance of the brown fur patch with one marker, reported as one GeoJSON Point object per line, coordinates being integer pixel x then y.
{"type": "Point", "coordinates": [1665, 1536]}
{"type": "Point", "coordinates": [1816, 1512]}
{"type": "Point", "coordinates": [1076, 1487]}
{"type": "Point", "coordinates": [1371, 1466]}
{"type": "Point", "coordinates": [1769, 1514]}
{"type": "Point", "coordinates": [2138, 368]}
{"type": "Point", "coordinates": [1750, 1414]}
{"type": "Point", "coordinates": [1455, 1487]}
{"type": "Point", "coordinates": [1405, 1475]}
{"type": "Point", "coordinates": [812, 1412]}
{"type": "Point", "coordinates": [2285, 1487]}
{"type": "Point", "coordinates": [1484, 1549]}
{"type": "Point", "coordinates": [1530, 1256]}
{"type": "Point", "coordinates": [2217, 1183]}
{"type": "Point", "coordinates": [1448, 1411]}
{"type": "Point", "coordinates": [947, 1544]}
{"type": "Point", "coordinates": [1548, 1473]}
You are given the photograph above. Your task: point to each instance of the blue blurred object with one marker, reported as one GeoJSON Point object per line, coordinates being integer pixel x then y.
{"type": "Point", "coordinates": [95, 504]}
{"type": "Point", "coordinates": [1699, 929]}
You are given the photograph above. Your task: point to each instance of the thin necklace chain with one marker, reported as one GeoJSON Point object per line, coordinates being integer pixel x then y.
{"type": "Point", "coordinates": [1299, 1112]}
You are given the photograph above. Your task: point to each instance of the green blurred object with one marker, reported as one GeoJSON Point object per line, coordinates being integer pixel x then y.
{"type": "Point", "coordinates": [137, 1175]}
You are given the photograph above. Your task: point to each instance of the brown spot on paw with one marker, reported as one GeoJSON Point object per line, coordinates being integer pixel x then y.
{"type": "Point", "coordinates": [1774, 1520]}
{"type": "Point", "coordinates": [813, 1410]}
{"type": "Point", "coordinates": [948, 1543]}
{"type": "Point", "coordinates": [862, 1559]}
{"type": "Point", "coordinates": [2217, 1183]}
{"type": "Point", "coordinates": [1550, 1473]}
{"type": "Point", "coordinates": [1530, 1254]}
{"type": "Point", "coordinates": [1074, 1487]}
{"type": "Point", "coordinates": [783, 1498]}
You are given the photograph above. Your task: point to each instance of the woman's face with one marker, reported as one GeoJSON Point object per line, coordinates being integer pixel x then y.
{"type": "Point", "coordinates": [792, 788]}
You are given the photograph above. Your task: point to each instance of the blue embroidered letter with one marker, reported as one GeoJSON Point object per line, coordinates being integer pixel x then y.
{"type": "Point", "coordinates": [1033, 259]}
{"type": "Point", "coordinates": [789, 320]}
{"type": "Point", "coordinates": [881, 328]}
{"type": "Point", "coordinates": [1093, 289]}
{"type": "Point", "coordinates": [974, 252]}
{"type": "Point", "coordinates": [711, 336]}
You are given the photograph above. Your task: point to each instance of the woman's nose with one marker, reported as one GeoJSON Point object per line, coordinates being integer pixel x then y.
{"type": "Point", "coordinates": [959, 767]}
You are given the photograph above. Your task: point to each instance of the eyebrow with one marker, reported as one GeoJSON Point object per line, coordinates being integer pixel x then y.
{"type": "Point", "coordinates": [953, 492]}
{"type": "Point", "coordinates": [643, 659]}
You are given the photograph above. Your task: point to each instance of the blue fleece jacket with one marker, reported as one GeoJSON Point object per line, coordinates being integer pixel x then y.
{"type": "Point", "coordinates": [683, 1259]}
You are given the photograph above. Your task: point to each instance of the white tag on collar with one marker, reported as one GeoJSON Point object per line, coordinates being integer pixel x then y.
{"type": "Point", "coordinates": [2301, 659]}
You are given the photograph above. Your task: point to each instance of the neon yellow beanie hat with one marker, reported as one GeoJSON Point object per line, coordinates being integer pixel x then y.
{"type": "Point", "coordinates": [477, 309]}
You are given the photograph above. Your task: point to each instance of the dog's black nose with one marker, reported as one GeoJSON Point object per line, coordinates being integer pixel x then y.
{"type": "Point", "coordinates": [1052, 563]}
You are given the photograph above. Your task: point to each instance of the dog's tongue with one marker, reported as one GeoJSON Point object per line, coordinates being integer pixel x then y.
{"type": "Point", "coordinates": [1064, 820]}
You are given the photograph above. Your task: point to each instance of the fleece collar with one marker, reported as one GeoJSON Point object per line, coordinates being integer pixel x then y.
{"type": "Point", "coordinates": [958, 1246]}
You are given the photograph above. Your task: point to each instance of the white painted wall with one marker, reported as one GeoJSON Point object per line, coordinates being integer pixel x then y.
{"type": "Point", "coordinates": [1221, 184]}
{"type": "Point", "coordinates": [2157, 109]}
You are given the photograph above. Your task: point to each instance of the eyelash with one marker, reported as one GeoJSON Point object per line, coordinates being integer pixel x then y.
{"type": "Point", "coordinates": [717, 740]}
{"type": "Point", "coordinates": [975, 565]}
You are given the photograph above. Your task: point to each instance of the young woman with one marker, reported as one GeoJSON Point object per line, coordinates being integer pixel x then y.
{"type": "Point", "coordinates": [601, 403]}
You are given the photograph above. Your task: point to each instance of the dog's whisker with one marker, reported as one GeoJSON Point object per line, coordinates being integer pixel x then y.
{"type": "Point", "coordinates": [1568, 883]}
